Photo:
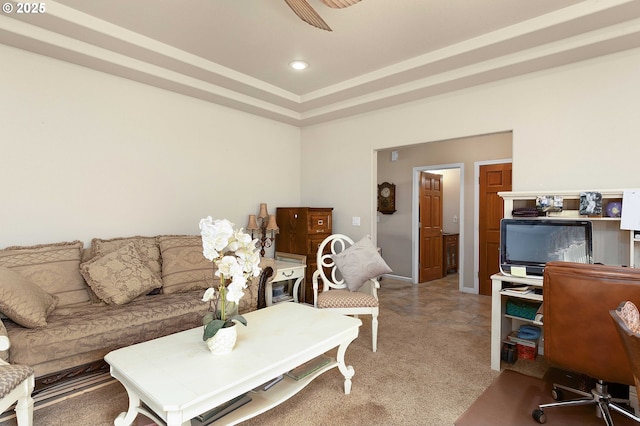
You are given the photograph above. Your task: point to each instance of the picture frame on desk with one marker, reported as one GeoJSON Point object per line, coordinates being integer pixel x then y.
{"type": "Point", "coordinates": [590, 203]}
{"type": "Point", "coordinates": [549, 203]}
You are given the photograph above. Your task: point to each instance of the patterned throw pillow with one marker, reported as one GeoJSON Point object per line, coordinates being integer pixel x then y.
{"type": "Point", "coordinates": [628, 312]}
{"type": "Point", "coordinates": [120, 276]}
{"type": "Point", "coordinates": [55, 268]}
{"type": "Point", "coordinates": [184, 267]}
{"type": "Point", "coordinates": [147, 247]}
{"type": "Point", "coordinates": [24, 302]}
{"type": "Point", "coordinates": [359, 263]}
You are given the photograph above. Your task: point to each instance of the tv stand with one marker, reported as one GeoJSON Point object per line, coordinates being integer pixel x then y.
{"type": "Point", "coordinates": [502, 324]}
{"type": "Point", "coordinates": [611, 246]}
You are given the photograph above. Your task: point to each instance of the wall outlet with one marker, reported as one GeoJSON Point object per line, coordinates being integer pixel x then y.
{"type": "Point", "coordinates": [355, 221]}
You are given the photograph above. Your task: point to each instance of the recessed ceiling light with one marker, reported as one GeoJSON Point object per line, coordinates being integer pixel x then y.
{"type": "Point", "coordinates": [299, 65]}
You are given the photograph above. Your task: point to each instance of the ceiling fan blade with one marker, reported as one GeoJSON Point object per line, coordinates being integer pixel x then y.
{"type": "Point", "coordinates": [339, 4]}
{"type": "Point", "coordinates": [307, 14]}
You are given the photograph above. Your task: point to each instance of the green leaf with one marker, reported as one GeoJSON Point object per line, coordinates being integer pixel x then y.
{"type": "Point", "coordinates": [208, 318]}
{"type": "Point", "coordinates": [238, 318]}
{"type": "Point", "coordinates": [211, 329]}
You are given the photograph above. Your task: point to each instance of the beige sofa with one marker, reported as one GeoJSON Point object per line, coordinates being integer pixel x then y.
{"type": "Point", "coordinates": [65, 307]}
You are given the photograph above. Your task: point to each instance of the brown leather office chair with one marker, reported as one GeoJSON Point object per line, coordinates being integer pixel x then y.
{"type": "Point", "coordinates": [627, 321]}
{"type": "Point", "coordinates": [579, 335]}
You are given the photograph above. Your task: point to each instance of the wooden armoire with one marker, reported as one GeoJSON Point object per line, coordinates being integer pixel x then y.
{"type": "Point", "coordinates": [302, 229]}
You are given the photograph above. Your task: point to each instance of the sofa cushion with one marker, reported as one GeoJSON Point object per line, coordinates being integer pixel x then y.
{"type": "Point", "coordinates": [147, 247]}
{"type": "Point", "coordinates": [87, 328]}
{"type": "Point", "coordinates": [24, 302]}
{"type": "Point", "coordinates": [184, 267]}
{"type": "Point", "coordinates": [55, 268]}
{"type": "Point", "coordinates": [120, 276]}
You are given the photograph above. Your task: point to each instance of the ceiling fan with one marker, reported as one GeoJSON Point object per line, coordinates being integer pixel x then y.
{"type": "Point", "coordinates": [304, 10]}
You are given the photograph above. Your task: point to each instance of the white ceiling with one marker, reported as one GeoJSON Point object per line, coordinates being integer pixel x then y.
{"type": "Point", "coordinates": [380, 52]}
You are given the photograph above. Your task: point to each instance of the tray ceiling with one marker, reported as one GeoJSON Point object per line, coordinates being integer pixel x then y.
{"type": "Point", "coordinates": [380, 53]}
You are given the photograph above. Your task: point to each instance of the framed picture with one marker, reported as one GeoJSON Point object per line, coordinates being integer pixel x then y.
{"type": "Point", "coordinates": [550, 203]}
{"type": "Point", "coordinates": [591, 203]}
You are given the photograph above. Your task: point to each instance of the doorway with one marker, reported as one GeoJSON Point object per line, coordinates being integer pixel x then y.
{"type": "Point", "coordinates": [493, 177]}
{"type": "Point", "coordinates": [452, 216]}
{"type": "Point", "coordinates": [397, 234]}
{"type": "Point", "coordinates": [430, 234]}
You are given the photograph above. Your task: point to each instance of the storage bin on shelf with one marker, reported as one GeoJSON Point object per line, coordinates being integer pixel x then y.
{"type": "Point", "coordinates": [525, 348]}
{"type": "Point", "coordinates": [522, 308]}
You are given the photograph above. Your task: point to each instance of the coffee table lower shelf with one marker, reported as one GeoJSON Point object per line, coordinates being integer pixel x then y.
{"type": "Point", "coordinates": [262, 401]}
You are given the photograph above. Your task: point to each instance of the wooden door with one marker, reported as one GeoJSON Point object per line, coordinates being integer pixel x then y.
{"type": "Point", "coordinates": [430, 227]}
{"type": "Point", "coordinates": [493, 179]}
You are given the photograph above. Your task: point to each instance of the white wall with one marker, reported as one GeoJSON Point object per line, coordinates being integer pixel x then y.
{"type": "Point", "coordinates": [574, 127]}
{"type": "Point", "coordinates": [86, 154]}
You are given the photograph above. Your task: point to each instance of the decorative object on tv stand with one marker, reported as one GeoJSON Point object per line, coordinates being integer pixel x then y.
{"type": "Point", "coordinates": [590, 203]}
{"type": "Point", "coordinates": [268, 227]}
{"type": "Point", "coordinates": [549, 203]}
{"type": "Point", "coordinates": [236, 258]}
{"type": "Point", "coordinates": [614, 209]}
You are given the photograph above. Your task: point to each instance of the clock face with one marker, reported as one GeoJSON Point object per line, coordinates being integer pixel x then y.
{"type": "Point", "coordinates": [386, 198]}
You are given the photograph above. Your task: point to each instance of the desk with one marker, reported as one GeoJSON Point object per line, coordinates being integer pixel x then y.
{"type": "Point", "coordinates": [293, 273]}
{"type": "Point", "coordinates": [501, 324]}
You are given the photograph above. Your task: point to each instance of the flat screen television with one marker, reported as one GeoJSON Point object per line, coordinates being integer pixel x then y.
{"type": "Point", "coordinates": [528, 244]}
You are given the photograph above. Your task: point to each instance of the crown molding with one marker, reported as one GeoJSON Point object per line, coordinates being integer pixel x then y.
{"type": "Point", "coordinates": [586, 30]}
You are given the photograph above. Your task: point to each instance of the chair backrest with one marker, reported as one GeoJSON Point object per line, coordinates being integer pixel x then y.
{"type": "Point", "coordinates": [630, 341]}
{"type": "Point", "coordinates": [578, 332]}
{"type": "Point", "coordinates": [329, 274]}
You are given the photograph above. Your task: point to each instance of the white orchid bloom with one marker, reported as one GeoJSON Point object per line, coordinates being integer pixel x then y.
{"type": "Point", "coordinates": [236, 257]}
{"type": "Point", "coordinates": [228, 266]}
{"type": "Point", "coordinates": [234, 290]}
{"type": "Point", "coordinates": [209, 295]}
{"type": "Point", "coordinates": [215, 236]}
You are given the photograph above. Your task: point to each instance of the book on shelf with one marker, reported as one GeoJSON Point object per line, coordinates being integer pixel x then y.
{"type": "Point", "coordinates": [513, 337]}
{"type": "Point", "coordinates": [281, 298]}
{"type": "Point", "coordinates": [269, 384]}
{"type": "Point", "coordinates": [518, 290]}
{"type": "Point", "coordinates": [221, 410]}
{"type": "Point", "coordinates": [309, 367]}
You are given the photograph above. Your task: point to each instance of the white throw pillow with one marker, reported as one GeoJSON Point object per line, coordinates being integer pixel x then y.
{"type": "Point", "coordinates": [359, 263]}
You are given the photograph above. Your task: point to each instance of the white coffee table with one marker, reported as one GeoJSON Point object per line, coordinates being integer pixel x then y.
{"type": "Point", "coordinates": [178, 378]}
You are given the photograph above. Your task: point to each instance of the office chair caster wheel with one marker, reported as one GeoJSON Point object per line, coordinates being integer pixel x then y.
{"type": "Point", "coordinates": [539, 416]}
{"type": "Point", "coordinates": [557, 394]}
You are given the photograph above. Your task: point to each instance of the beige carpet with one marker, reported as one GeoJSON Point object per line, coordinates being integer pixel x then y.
{"type": "Point", "coordinates": [432, 363]}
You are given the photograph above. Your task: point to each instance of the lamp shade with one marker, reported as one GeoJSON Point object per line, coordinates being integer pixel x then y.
{"type": "Point", "coordinates": [272, 225]}
{"type": "Point", "coordinates": [253, 224]}
{"type": "Point", "coordinates": [263, 211]}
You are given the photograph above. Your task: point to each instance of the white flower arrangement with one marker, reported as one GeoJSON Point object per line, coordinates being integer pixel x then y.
{"type": "Point", "coordinates": [237, 260]}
